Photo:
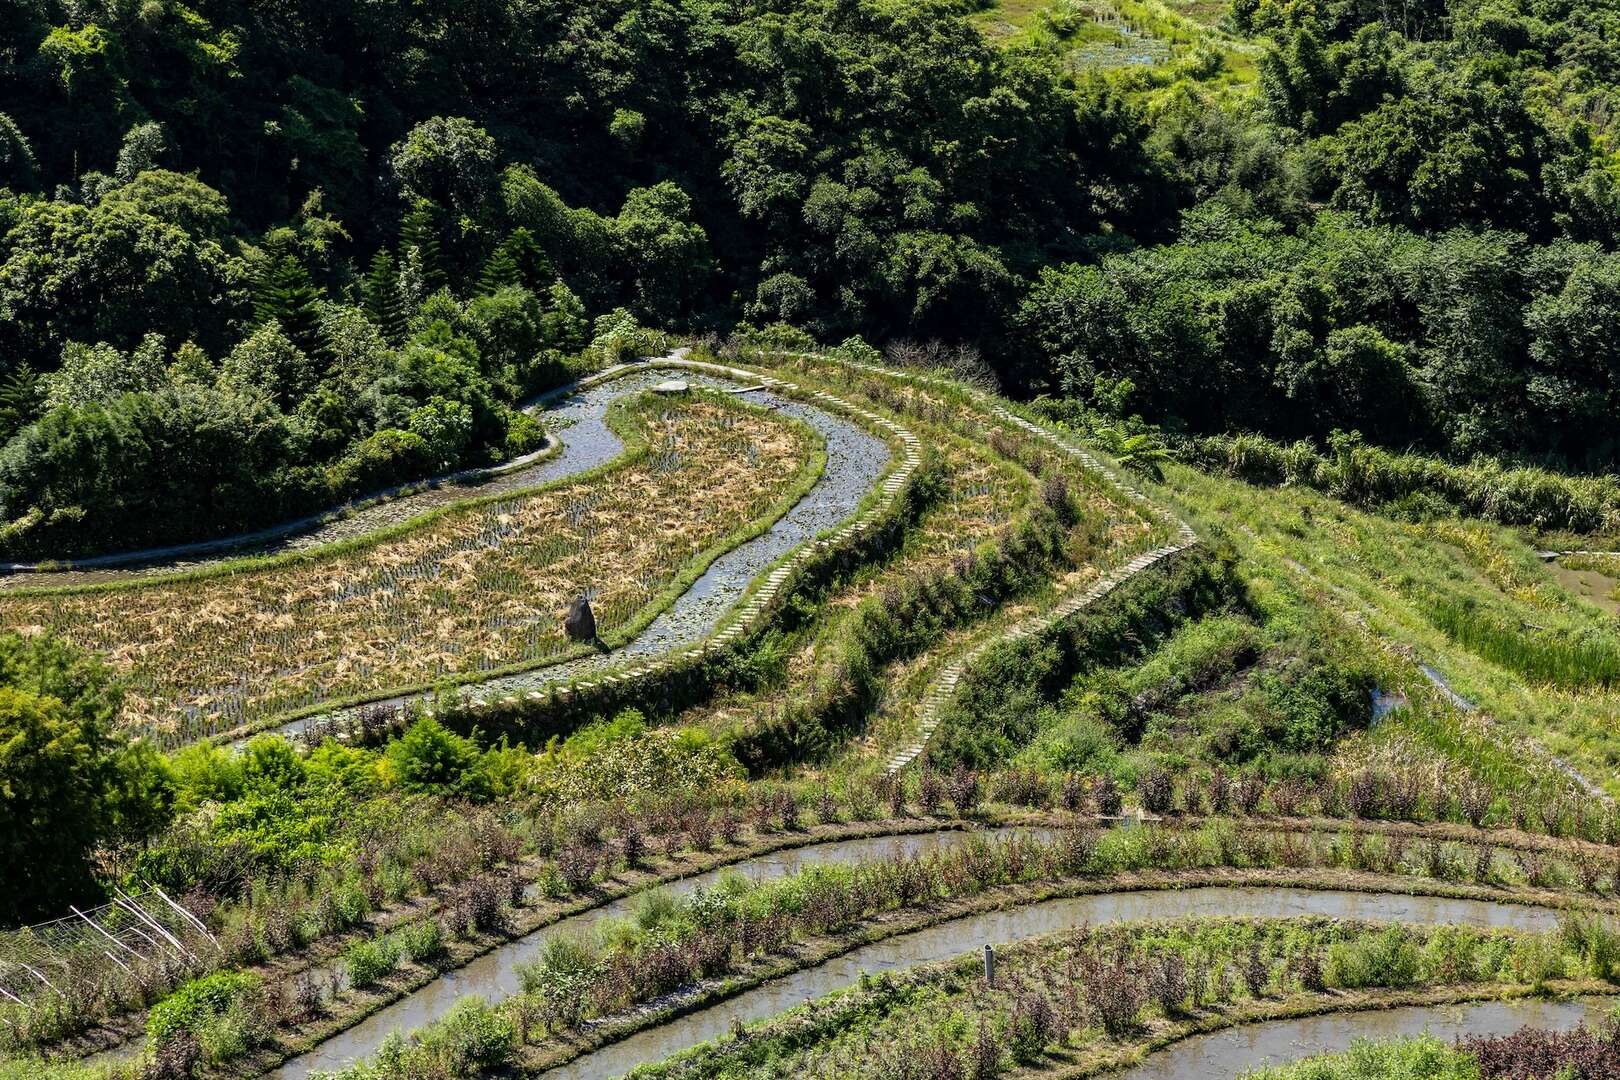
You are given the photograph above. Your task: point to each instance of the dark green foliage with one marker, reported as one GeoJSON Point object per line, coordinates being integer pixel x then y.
{"type": "Point", "coordinates": [421, 260]}
{"type": "Point", "coordinates": [383, 303]}
{"type": "Point", "coordinates": [1461, 343]}
{"type": "Point", "coordinates": [22, 396]}
{"type": "Point", "coordinates": [1406, 231]}
{"type": "Point", "coordinates": [68, 782]}
{"type": "Point", "coordinates": [1416, 484]}
{"type": "Point", "coordinates": [534, 270]}
{"type": "Point", "coordinates": [286, 295]}
{"type": "Point", "coordinates": [500, 271]}
{"type": "Point", "coordinates": [997, 707]}
{"type": "Point", "coordinates": [102, 476]}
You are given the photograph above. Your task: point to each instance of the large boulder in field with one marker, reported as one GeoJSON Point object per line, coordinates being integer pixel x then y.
{"type": "Point", "coordinates": [580, 622]}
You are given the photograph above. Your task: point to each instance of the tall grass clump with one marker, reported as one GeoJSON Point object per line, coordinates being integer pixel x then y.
{"type": "Point", "coordinates": [1372, 477]}
{"type": "Point", "coordinates": [1424, 1056]}
{"type": "Point", "coordinates": [1589, 658]}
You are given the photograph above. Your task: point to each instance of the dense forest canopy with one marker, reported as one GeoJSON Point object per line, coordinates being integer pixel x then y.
{"type": "Point", "coordinates": [256, 257]}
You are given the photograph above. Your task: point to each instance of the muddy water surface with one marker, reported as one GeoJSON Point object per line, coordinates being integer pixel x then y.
{"type": "Point", "coordinates": [495, 974]}
{"type": "Point", "coordinates": [963, 936]}
{"type": "Point", "coordinates": [1229, 1053]}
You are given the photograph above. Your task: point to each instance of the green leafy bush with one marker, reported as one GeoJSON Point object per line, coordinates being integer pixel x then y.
{"type": "Point", "coordinates": [370, 961]}
{"type": "Point", "coordinates": [1388, 960]}
{"type": "Point", "coordinates": [431, 758]}
{"type": "Point", "coordinates": [225, 1012]}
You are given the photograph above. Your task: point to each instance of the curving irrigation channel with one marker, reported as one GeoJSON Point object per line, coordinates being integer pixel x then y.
{"type": "Point", "coordinates": [856, 460]}
{"type": "Point", "coordinates": [494, 975]}
{"type": "Point", "coordinates": [588, 444]}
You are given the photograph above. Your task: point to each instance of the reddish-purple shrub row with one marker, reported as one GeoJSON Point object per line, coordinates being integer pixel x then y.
{"type": "Point", "coordinates": [1535, 1054]}
{"type": "Point", "coordinates": [821, 903]}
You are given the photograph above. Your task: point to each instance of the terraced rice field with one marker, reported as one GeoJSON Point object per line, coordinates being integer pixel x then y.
{"type": "Point", "coordinates": [828, 891]}
{"type": "Point", "coordinates": [476, 589]}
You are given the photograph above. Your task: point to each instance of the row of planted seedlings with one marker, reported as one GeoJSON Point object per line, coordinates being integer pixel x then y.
{"type": "Point", "coordinates": [1077, 1002]}
{"type": "Point", "coordinates": [800, 582]}
{"type": "Point", "coordinates": [263, 906]}
{"type": "Point", "coordinates": [711, 943]}
{"type": "Point", "coordinates": [483, 876]}
{"type": "Point", "coordinates": [1411, 793]}
{"type": "Point", "coordinates": [474, 587]}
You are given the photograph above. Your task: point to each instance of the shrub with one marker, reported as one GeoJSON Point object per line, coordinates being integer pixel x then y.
{"type": "Point", "coordinates": [1306, 968]}
{"type": "Point", "coordinates": [1073, 793]}
{"type": "Point", "coordinates": [1034, 1023]}
{"type": "Point", "coordinates": [561, 978]}
{"type": "Point", "coordinates": [1155, 790]}
{"type": "Point", "coordinates": [1167, 979]}
{"type": "Point", "coordinates": [577, 864]}
{"type": "Point", "coordinates": [1369, 476]}
{"type": "Point", "coordinates": [176, 1059]}
{"type": "Point", "coordinates": [632, 845]}
{"type": "Point", "coordinates": [1115, 990]}
{"type": "Point", "coordinates": [1596, 940]}
{"type": "Point", "coordinates": [1475, 801]}
{"type": "Point", "coordinates": [1249, 791]}
{"type": "Point", "coordinates": [421, 942]}
{"type": "Point", "coordinates": [370, 961]}
{"type": "Point", "coordinates": [1105, 796]}
{"type": "Point", "coordinates": [826, 806]}
{"type": "Point", "coordinates": [224, 1013]}
{"type": "Point", "coordinates": [1256, 971]}
{"type": "Point", "coordinates": [964, 789]}
{"type": "Point", "coordinates": [1386, 959]}
{"type": "Point", "coordinates": [894, 790]}
{"type": "Point", "coordinates": [1582, 1054]}
{"type": "Point", "coordinates": [431, 758]}
{"type": "Point", "coordinates": [930, 792]}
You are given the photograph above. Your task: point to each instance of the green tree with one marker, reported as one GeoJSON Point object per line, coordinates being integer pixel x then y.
{"type": "Point", "coordinates": [286, 296]}
{"type": "Point", "coordinates": [421, 265]}
{"type": "Point", "coordinates": [535, 271]}
{"type": "Point", "coordinates": [448, 160]}
{"type": "Point", "coordinates": [668, 251]}
{"type": "Point", "coordinates": [19, 169]}
{"type": "Point", "coordinates": [146, 146]}
{"type": "Point", "coordinates": [99, 374]}
{"type": "Point", "coordinates": [383, 303]}
{"type": "Point", "coordinates": [182, 201]}
{"type": "Point", "coordinates": [500, 270]}
{"type": "Point", "coordinates": [22, 397]}
{"type": "Point", "coordinates": [67, 783]}
{"type": "Point", "coordinates": [270, 363]}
